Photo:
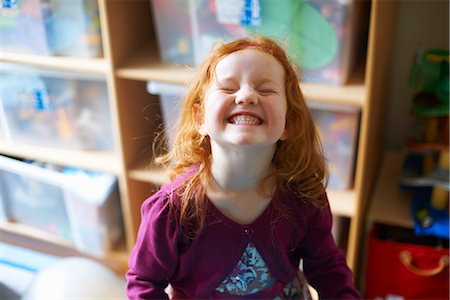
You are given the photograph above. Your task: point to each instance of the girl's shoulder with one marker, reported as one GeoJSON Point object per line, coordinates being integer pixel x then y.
{"type": "Point", "coordinates": [168, 195]}
{"type": "Point", "coordinates": [301, 206]}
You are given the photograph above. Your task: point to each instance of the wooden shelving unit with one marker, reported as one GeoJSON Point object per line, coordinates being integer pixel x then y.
{"type": "Point", "coordinates": [131, 59]}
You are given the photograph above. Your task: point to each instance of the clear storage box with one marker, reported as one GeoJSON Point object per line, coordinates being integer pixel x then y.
{"type": "Point", "coordinates": [51, 27]}
{"type": "Point", "coordinates": [63, 110]}
{"type": "Point", "coordinates": [32, 196]}
{"type": "Point", "coordinates": [320, 35]}
{"type": "Point", "coordinates": [337, 125]}
{"type": "Point", "coordinates": [338, 130]}
{"type": "Point", "coordinates": [170, 97]}
{"type": "Point", "coordinates": [79, 206]}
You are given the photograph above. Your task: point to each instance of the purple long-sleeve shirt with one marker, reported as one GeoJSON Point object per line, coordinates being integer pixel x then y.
{"type": "Point", "coordinates": [196, 267]}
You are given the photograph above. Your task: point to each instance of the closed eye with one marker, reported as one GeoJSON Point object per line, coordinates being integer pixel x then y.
{"type": "Point", "coordinates": [228, 90]}
{"type": "Point", "coordinates": [268, 91]}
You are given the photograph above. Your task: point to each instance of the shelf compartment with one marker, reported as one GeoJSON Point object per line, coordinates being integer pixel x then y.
{"type": "Point", "coordinates": [91, 160]}
{"type": "Point", "coordinates": [51, 108]}
{"type": "Point", "coordinates": [70, 64]}
{"type": "Point", "coordinates": [342, 203]}
{"type": "Point", "coordinates": [145, 66]}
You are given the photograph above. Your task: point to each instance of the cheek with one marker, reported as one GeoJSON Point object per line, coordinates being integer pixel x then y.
{"type": "Point", "coordinates": [211, 120]}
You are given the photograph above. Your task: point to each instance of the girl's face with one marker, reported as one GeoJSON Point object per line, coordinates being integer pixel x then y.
{"type": "Point", "coordinates": [246, 102]}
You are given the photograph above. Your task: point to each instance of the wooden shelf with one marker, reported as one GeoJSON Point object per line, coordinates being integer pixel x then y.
{"type": "Point", "coordinates": [72, 64]}
{"type": "Point", "coordinates": [92, 160]}
{"type": "Point", "coordinates": [29, 237]}
{"type": "Point", "coordinates": [149, 174]}
{"type": "Point", "coordinates": [391, 205]}
{"type": "Point", "coordinates": [129, 43]}
{"type": "Point", "coordinates": [146, 66]}
{"type": "Point", "coordinates": [31, 232]}
{"type": "Point", "coordinates": [343, 203]}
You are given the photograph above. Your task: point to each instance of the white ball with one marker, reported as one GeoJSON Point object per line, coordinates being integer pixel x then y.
{"type": "Point", "coordinates": [76, 278]}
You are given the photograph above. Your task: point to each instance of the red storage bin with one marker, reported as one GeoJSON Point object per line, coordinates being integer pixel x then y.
{"type": "Point", "coordinates": [405, 269]}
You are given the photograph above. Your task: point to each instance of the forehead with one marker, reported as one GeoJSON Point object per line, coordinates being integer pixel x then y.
{"type": "Point", "coordinates": [250, 62]}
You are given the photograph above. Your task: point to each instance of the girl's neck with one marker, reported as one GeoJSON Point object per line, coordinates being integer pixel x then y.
{"type": "Point", "coordinates": [240, 169]}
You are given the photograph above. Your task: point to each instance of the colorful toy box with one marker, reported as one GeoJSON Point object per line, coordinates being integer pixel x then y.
{"type": "Point", "coordinates": [320, 35]}
{"type": "Point", "coordinates": [337, 125]}
{"type": "Point", "coordinates": [63, 110]}
{"type": "Point", "coordinates": [50, 199]}
{"type": "Point", "coordinates": [51, 27]}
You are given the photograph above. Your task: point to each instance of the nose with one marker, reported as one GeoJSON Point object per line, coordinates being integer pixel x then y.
{"type": "Point", "coordinates": [246, 95]}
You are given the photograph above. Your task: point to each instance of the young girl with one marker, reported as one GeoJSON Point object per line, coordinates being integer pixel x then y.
{"type": "Point", "coordinates": [247, 202]}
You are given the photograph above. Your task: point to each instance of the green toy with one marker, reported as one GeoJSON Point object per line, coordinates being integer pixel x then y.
{"type": "Point", "coordinates": [430, 76]}
{"type": "Point", "coordinates": [308, 33]}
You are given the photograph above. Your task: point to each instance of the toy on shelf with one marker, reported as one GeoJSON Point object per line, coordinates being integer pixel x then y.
{"type": "Point", "coordinates": [426, 166]}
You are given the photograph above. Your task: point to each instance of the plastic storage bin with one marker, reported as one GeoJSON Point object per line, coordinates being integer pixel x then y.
{"type": "Point", "coordinates": [51, 27]}
{"type": "Point", "coordinates": [63, 110]}
{"type": "Point", "coordinates": [170, 97]}
{"type": "Point", "coordinates": [79, 206]}
{"type": "Point", "coordinates": [338, 129]}
{"type": "Point", "coordinates": [337, 125]}
{"type": "Point", "coordinates": [320, 35]}
{"type": "Point", "coordinates": [94, 211]}
{"type": "Point", "coordinates": [32, 196]}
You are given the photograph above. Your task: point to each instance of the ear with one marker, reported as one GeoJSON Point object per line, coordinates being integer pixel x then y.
{"type": "Point", "coordinates": [202, 129]}
{"type": "Point", "coordinates": [284, 136]}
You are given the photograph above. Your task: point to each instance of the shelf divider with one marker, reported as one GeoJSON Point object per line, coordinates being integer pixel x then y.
{"type": "Point", "coordinates": [145, 66]}
{"type": "Point", "coordinates": [100, 161]}
{"type": "Point", "coordinates": [342, 202]}
{"type": "Point", "coordinates": [70, 64]}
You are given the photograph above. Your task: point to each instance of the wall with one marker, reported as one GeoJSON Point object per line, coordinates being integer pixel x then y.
{"type": "Point", "coordinates": [418, 22]}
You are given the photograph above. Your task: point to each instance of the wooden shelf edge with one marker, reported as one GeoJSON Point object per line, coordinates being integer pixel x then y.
{"type": "Point", "coordinates": [342, 202]}
{"type": "Point", "coordinates": [72, 64]}
{"type": "Point", "coordinates": [150, 174]}
{"type": "Point", "coordinates": [92, 160]}
{"type": "Point", "coordinates": [389, 204]}
{"type": "Point", "coordinates": [29, 237]}
{"type": "Point", "coordinates": [145, 67]}
{"type": "Point", "coordinates": [33, 233]}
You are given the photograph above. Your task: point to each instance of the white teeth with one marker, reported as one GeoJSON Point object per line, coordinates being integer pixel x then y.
{"type": "Point", "coordinates": [245, 120]}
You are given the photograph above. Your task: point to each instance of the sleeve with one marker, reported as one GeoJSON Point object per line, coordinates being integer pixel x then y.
{"type": "Point", "coordinates": [154, 257]}
{"type": "Point", "coordinates": [324, 263]}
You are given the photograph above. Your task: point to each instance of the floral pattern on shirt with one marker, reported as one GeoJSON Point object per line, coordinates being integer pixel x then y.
{"type": "Point", "coordinates": [296, 289]}
{"type": "Point", "coordinates": [249, 276]}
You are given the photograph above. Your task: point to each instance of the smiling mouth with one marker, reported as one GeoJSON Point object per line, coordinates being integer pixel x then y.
{"type": "Point", "coordinates": [244, 120]}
